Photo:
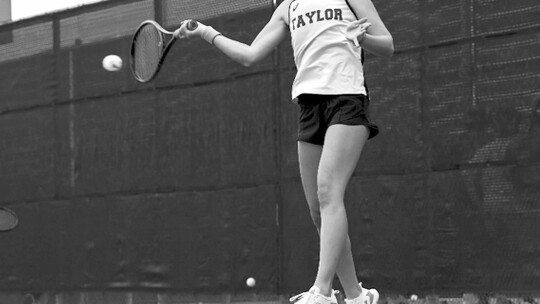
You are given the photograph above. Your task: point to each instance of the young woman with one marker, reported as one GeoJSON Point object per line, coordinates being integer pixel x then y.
{"type": "Point", "coordinates": [328, 40]}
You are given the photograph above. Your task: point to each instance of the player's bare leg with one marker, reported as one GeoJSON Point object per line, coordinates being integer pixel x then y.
{"type": "Point", "coordinates": [337, 166]}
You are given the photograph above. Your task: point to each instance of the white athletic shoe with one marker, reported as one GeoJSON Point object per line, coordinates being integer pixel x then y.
{"type": "Point", "coordinates": [314, 296]}
{"type": "Point", "coordinates": [367, 296]}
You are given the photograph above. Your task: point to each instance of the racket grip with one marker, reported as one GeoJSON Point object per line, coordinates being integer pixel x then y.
{"type": "Point", "coordinates": [192, 25]}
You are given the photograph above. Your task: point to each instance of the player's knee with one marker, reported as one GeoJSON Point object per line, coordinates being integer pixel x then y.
{"type": "Point", "coordinates": [326, 192]}
{"type": "Point", "coordinates": [330, 192]}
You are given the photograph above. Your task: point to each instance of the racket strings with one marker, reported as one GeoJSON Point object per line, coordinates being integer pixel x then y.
{"type": "Point", "coordinates": [7, 220]}
{"type": "Point", "coordinates": [147, 52]}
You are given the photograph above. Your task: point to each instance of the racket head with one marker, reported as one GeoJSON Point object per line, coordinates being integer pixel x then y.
{"type": "Point", "coordinates": [8, 219]}
{"type": "Point", "coordinates": [148, 49]}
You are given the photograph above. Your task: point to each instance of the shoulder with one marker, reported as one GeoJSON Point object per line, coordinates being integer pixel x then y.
{"type": "Point", "coordinates": [282, 11]}
{"type": "Point", "coordinates": [286, 3]}
{"type": "Point", "coordinates": [365, 7]}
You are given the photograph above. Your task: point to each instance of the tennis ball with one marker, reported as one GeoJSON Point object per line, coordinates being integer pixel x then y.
{"type": "Point", "coordinates": [112, 63]}
{"type": "Point", "coordinates": [250, 282]}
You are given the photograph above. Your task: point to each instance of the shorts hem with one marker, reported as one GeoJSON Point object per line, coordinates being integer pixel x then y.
{"type": "Point", "coordinates": [318, 112]}
{"type": "Point", "coordinates": [373, 129]}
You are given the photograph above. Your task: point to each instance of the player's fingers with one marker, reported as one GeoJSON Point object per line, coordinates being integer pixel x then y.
{"type": "Point", "coordinates": [180, 32]}
{"type": "Point", "coordinates": [356, 23]}
{"type": "Point", "coordinates": [365, 26]}
{"type": "Point", "coordinates": [362, 20]}
{"type": "Point", "coordinates": [183, 31]}
{"type": "Point", "coordinates": [359, 22]}
{"type": "Point", "coordinates": [177, 33]}
{"type": "Point", "coordinates": [192, 28]}
{"type": "Point", "coordinates": [353, 25]}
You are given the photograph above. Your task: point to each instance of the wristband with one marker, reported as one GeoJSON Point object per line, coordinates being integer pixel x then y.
{"type": "Point", "coordinates": [219, 34]}
{"type": "Point", "coordinates": [209, 34]}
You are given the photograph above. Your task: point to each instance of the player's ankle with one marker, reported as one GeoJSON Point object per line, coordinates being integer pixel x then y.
{"type": "Point", "coordinates": [353, 294]}
{"type": "Point", "coordinates": [327, 293]}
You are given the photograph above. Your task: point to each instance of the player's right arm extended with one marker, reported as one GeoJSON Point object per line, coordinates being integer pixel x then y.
{"type": "Point", "coordinates": [270, 36]}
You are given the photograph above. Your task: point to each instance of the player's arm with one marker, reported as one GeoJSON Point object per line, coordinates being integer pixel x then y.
{"type": "Point", "coordinates": [270, 36]}
{"type": "Point", "coordinates": [377, 39]}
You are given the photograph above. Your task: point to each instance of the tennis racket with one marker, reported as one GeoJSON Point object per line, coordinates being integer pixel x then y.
{"type": "Point", "coordinates": [149, 47]}
{"type": "Point", "coordinates": [8, 219]}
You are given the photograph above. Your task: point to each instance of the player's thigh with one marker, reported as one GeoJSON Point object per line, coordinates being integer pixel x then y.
{"type": "Point", "coordinates": [343, 145]}
{"type": "Point", "coordinates": [309, 156]}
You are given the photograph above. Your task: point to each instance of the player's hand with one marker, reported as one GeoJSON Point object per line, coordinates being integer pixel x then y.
{"type": "Point", "coordinates": [183, 31]}
{"type": "Point", "coordinates": [205, 32]}
{"type": "Point", "coordinates": [356, 30]}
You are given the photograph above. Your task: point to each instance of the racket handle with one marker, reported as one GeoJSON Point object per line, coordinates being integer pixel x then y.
{"type": "Point", "coordinates": [192, 25]}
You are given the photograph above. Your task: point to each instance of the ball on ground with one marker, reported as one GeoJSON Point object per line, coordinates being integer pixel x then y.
{"type": "Point", "coordinates": [112, 63]}
{"type": "Point", "coordinates": [414, 297]}
{"type": "Point", "coordinates": [250, 282]}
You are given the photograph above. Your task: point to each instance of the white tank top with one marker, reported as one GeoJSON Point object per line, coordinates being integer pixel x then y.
{"type": "Point", "coordinates": [327, 62]}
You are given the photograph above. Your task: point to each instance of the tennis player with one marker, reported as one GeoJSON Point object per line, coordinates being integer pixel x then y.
{"type": "Point", "coordinates": [328, 41]}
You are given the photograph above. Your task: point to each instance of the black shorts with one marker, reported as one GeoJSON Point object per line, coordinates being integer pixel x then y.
{"type": "Point", "coordinates": [318, 112]}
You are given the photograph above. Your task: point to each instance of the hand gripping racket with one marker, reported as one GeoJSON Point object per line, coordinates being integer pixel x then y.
{"type": "Point", "coordinates": [150, 45]}
{"type": "Point", "coordinates": [8, 219]}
